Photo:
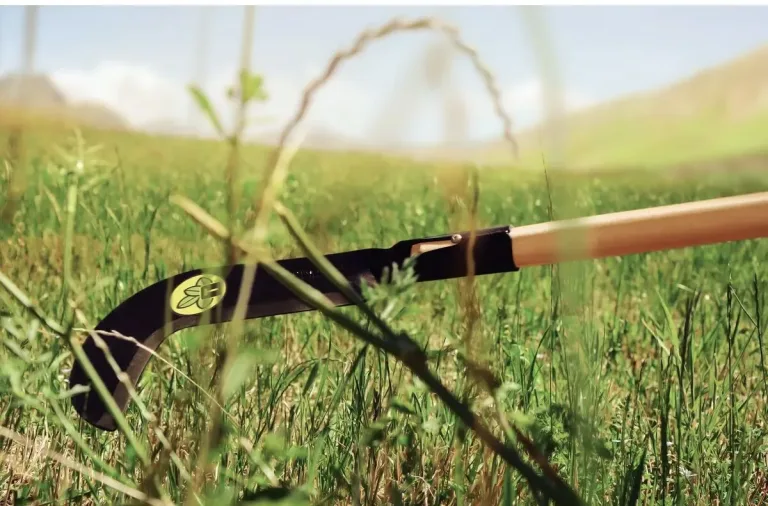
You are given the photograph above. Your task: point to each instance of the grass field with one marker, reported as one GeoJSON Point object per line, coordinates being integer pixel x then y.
{"type": "Point", "coordinates": [644, 370]}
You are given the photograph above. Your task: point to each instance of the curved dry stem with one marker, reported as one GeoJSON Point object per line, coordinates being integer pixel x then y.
{"type": "Point", "coordinates": [361, 43]}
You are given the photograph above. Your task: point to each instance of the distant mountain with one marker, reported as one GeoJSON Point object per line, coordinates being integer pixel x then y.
{"type": "Point", "coordinates": [35, 91]}
{"type": "Point", "coordinates": [37, 95]}
{"type": "Point", "coordinates": [717, 113]}
{"type": "Point", "coordinates": [97, 116]}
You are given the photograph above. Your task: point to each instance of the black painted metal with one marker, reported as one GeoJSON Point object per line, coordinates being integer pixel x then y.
{"type": "Point", "coordinates": [146, 316]}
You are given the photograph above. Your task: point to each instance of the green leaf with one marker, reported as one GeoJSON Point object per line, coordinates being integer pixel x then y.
{"type": "Point", "coordinates": [395, 495]}
{"type": "Point", "coordinates": [655, 335]}
{"type": "Point", "coordinates": [634, 480]}
{"type": "Point", "coordinates": [374, 433]}
{"type": "Point", "coordinates": [193, 291]}
{"type": "Point", "coordinates": [202, 101]}
{"type": "Point", "coordinates": [431, 426]}
{"type": "Point", "coordinates": [274, 444]}
{"type": "Point", "coordinates": [251, 87]}
{"type": "Point", "coordinates": [242, 367]}
{"type": "Point", "coordinates": [507, 491]}
{"type": "Point", "coordinates": [311, 379]}
{"type": "Point", "coordinates": [316, 455]}
{"type": "Point", "coordinates": [274, 496]}
{"type": "Point", "coordinates": [671, 329]}
{"type": "Point", "coordinates": [187, 301]}
{"type": "Point", "coordinates": [403, 407]}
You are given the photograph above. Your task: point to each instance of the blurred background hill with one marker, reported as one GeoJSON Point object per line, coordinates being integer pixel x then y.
{"type": "Point", "coordinates": [718, 112]}
{"type": "Point", "coordinates": [36, 96]}
{"type": "Point", "coordinates": [678, 110]}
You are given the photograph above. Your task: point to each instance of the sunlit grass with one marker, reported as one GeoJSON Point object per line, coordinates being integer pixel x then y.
{"type": "Point", "coordinates": [323, 413]}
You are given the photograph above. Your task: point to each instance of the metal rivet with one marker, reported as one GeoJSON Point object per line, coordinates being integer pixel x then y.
{"type": "Point", "coordinates": [455, 238]}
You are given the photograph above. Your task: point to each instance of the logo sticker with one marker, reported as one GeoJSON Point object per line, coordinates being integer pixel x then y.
{"type": "Point", "coordinates": [197, 294]}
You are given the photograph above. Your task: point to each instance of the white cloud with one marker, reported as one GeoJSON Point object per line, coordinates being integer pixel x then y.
{"type": "Point", "coordinates": [522, 101]}
{"type": "Point", "coordinates": [339, 106]}
{"type": "Point", "coordinates": [527, 100]}
{"type": "Point", "coordinates": [139, 94]}
{"type": "Point", "coordinates": [146, 98]}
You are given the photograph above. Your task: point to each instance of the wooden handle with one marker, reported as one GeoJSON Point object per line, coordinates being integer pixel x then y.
{"type": "Point", "coordinates": [643, 230]}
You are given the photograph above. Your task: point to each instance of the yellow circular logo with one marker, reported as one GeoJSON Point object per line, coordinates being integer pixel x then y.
{"type": "Point", "coordinates": [197, 294]}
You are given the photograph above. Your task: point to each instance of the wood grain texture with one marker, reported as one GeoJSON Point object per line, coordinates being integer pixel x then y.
{"type": "Point", "coordinates": [644, 230]}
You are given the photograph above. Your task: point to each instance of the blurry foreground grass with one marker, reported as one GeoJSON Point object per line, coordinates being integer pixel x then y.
{"type": "Point", "coordinates": [663, 380]}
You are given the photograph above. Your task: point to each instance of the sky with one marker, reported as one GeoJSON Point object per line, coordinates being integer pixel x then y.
{"type": "Point", "coordinates": [139, 60]}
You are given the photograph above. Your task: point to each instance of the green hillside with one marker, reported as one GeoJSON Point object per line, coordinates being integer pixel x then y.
{"type": "Point", "coordinates": [720, 112]}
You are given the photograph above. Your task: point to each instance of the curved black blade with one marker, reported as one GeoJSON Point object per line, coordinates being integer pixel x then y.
{"type": "Point", "coordinates": [205, 297]}
{"type": "Point", "coordinates": [149, 318]}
